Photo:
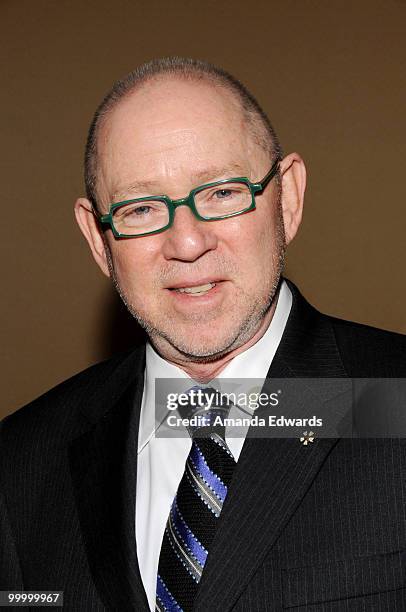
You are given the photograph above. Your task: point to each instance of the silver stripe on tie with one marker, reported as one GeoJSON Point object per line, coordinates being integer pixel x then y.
{"type": "Point", "coordinates": [202, 488]}
{"type": "Point", "coordinates": [192, 566]}
{"type": "Point", "coordinates": [219, 440]}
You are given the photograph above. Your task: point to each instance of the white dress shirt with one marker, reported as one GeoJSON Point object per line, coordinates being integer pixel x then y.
{"type": "Point", "coordinates": [161, 460]}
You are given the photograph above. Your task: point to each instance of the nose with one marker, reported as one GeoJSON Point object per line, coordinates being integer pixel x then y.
{"type": "Point", "coordinates": [188, 238]}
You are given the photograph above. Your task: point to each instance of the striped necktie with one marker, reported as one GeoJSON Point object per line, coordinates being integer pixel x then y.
{"type": "Point", "coordinates": [195, 509]}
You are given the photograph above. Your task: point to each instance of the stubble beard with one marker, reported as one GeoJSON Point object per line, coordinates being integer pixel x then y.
{"type": "Point", "coordinates": [245, 331]}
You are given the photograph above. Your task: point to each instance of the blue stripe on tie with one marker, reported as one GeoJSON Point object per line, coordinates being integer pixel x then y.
{"type": "Point", "coordinates": [165, 596]}
{"type": "Point", "coordinates": [205, 472]}
{"type": "Point", "coordinates": [193, 544]}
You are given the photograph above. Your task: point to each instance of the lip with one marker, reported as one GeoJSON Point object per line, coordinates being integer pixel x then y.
{"type": "Point", "coordinates": [195, 282]}
{"type": "Point", "coordinates": [211, 298]}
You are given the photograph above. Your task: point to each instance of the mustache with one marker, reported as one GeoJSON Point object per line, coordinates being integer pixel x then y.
{"type": "Point", "coordinates": [216, 265]}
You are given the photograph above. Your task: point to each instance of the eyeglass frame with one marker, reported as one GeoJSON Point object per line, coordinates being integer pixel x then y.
{"type": "Point", "coordinates": [255, 189]}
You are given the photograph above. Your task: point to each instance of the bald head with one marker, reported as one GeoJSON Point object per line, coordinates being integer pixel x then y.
{"type": "Point", "coordinates": [174, 71]}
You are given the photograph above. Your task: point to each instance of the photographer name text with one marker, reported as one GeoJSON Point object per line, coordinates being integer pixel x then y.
{"type": "Point", "coordinates": [254, 421]}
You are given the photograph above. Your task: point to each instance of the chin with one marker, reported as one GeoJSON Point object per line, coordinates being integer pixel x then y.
{"type": "Point", "coordinates": [205, 346]}
{"type": "Point", "coordinates": [209, 343]}
{"type": "Point", "coordinates": [196, 344]}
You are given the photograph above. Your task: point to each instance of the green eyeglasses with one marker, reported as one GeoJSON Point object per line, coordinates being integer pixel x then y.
{"type": "Point", "coordinates": [210, 202]}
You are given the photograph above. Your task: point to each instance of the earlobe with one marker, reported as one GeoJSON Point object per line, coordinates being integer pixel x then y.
{"type": "Point", "coordinates": [89, 227]}
{"type": "Point", "coordinates": [293, 173]}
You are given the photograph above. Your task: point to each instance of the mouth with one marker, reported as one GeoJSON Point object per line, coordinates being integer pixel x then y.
{"type": "Point", "coordinates": [195, 288]}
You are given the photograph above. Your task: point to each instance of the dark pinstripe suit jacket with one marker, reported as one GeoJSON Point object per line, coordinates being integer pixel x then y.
{"type": "Point", "coordinates": [316, 528]}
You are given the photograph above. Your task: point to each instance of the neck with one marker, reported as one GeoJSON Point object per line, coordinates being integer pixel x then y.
{"type": "Point", "coordinates": [204, 372]}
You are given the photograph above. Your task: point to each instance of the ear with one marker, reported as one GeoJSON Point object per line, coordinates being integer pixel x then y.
{"type": "Point", "coordinates": [293, 174]}
{"type": "Point", "coordinates": [91, 230]}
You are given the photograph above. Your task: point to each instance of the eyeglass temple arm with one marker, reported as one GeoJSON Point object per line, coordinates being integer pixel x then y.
{"type": "Point", "coordinates": [260, 186]}
{"type": "Point", "coordinates": [101, 218]}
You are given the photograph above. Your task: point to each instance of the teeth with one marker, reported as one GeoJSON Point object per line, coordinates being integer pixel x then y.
{"type": "Point", "coordinates": [198, 289]}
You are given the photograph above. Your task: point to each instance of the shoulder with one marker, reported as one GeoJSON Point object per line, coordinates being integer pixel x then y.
{"type": "Point", "coordinates": [369, 351]}
{"type": "Point", "coordinates": [364, 351]}
{"type": "Point", "coordinates": [59, 412]}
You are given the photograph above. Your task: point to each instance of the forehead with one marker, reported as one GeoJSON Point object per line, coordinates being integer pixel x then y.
{"type": "Point", "coordinates": [168, 127]}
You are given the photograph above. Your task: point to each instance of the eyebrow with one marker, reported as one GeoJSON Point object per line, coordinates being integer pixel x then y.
{"type": "Point", "coordinates": [201, 177]}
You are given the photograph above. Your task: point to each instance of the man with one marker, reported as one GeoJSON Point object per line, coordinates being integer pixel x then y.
{"type": "Point", "coordinates": [189, 208]}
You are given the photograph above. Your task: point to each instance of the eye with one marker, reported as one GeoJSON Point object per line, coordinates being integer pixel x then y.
{"type": "Point", "coordinates": [220, 194]}
{"type": "Point", "coordinates": [139, 210]}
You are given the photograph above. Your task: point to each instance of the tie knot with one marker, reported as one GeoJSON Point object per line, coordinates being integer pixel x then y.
{"type": "Point", "coordinates": [205, 411]}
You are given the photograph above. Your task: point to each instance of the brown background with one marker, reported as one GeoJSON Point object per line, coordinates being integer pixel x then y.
{"type": "Point", "coordinates": [330, 74]}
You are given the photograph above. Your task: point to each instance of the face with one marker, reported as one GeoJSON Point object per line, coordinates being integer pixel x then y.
{"type": "Point", "coordinates": [168, 138]}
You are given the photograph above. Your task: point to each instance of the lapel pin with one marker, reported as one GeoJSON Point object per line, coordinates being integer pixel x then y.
{"type": "Point", "coordinates": [307, 438]}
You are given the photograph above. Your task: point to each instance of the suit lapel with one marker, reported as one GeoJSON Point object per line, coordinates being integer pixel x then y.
{"type": "Point", "coordinates": [272, 475]}
{"type": "Point", "coordinates": [103, 462]}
